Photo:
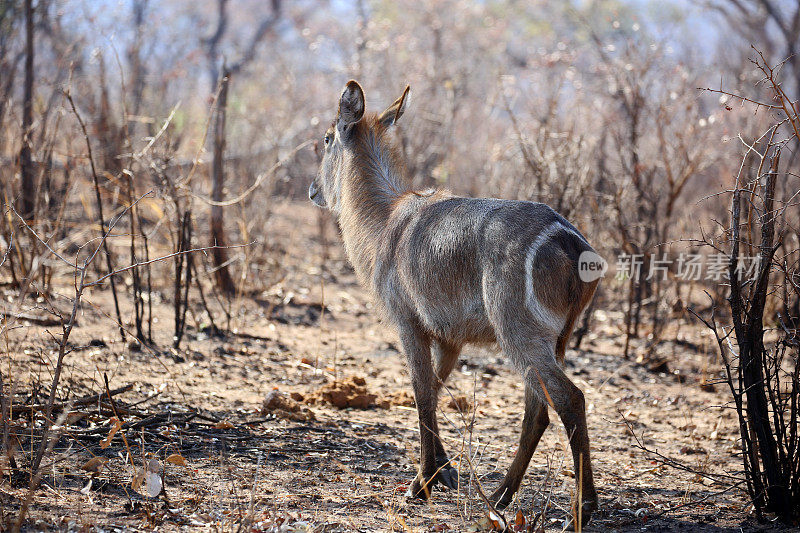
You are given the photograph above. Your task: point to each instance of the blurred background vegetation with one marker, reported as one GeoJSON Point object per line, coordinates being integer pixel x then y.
{"type": "Point", "coordinates": [594, 107]}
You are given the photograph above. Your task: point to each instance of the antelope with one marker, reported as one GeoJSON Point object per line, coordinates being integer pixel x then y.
{"type": "Point", "coordinates": [447, 271]}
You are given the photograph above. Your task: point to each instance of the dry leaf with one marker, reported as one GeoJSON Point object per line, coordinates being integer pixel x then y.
{"type": "Point", "coordinates": [223, 424]}
{"type": "Point", "coordinates": [154, 484]}
{"type": "Point", "coordinates": [495, 521]}
{"type": "Point", "coordinates": [148, 482]}
{"type": "Point", "coordinates": [153, 466]}
{"type": "Point", "coordinates": [138, 479]}
{"type": "Point", "coordinates": [74, 417]}
{"type": "Point", "coordinates": [176, 459]}
{"type": "Point", "coordinates": [115, 426]}
{"type": "Point", "coordinates": [519, 520]}
{"type": "Point", "coordinates": [94, 464]}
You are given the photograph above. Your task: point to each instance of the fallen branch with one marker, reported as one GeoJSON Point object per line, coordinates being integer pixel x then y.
{"type": "Point", "coordinates": [85, 400]}
{"type": "Point", "coordinates": [33, 319]}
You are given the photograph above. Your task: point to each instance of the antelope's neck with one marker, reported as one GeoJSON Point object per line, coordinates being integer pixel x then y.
{"type": "Point", "coordinates": [375, 182]}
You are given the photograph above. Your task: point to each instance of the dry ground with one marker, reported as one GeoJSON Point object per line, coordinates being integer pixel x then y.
{"type": "Point", "coordinates": [347, 469]}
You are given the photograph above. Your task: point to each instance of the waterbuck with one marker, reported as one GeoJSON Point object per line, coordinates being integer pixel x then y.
{"type": "Point", "coordinates": [448, 271]}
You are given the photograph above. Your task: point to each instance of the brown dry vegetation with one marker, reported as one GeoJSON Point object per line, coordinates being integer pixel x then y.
{"type": "Point", "coordinates": [253, 386]}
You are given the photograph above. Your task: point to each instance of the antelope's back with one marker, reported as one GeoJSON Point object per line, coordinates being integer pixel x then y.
{"type": "Point", "coordinates": [445, 259]}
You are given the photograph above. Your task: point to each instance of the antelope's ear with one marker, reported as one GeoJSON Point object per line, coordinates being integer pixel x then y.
{"type": "Point", "coordinates": [396, 110]}
{"type": "Point", "coordinates": [351, 106]}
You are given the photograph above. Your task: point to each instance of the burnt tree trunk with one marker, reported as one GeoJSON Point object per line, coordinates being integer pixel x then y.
{"type": "Point", "coordinates": [771, 491]}
{"type": "Point", "coordinates": [219, 254]}
{"type": "Point", "coordinates": [27, 174]}
{"type": "Point", "coordinates": [183, 276]}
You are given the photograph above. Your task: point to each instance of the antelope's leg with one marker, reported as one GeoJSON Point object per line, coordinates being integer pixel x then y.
{"type": "Point", "coordinates": [417, 347]}
{"type": "Point", "coordinates": [445, 357]}
{"type": "Point", "coordinates": [553, 386]}
{"type": "Point", "coordinates": [534, 424]}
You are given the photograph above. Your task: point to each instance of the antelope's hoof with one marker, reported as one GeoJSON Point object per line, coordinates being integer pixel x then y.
{"type": "Point", "coordinates": [445, 475]}
{"type": "Point", "coordinates": [587, 509]}
{"type": "Point", "coordinates": [417, 490]}
{"type": "Point", "coordinates": [448, 476]}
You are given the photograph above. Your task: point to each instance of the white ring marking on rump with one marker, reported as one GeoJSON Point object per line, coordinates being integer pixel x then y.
{"type": "Point", "coordinates": [544, 315]}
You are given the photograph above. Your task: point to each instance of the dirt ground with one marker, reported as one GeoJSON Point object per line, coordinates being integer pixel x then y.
{"type": "Point", "coordinates": [266, 444]}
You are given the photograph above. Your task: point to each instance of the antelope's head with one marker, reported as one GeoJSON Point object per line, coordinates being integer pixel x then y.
{"type": "Point", "coordinates": [344, 138]}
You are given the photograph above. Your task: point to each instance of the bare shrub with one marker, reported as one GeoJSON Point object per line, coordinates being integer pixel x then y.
{"type": "Point", "coordinates": [760, 350]}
